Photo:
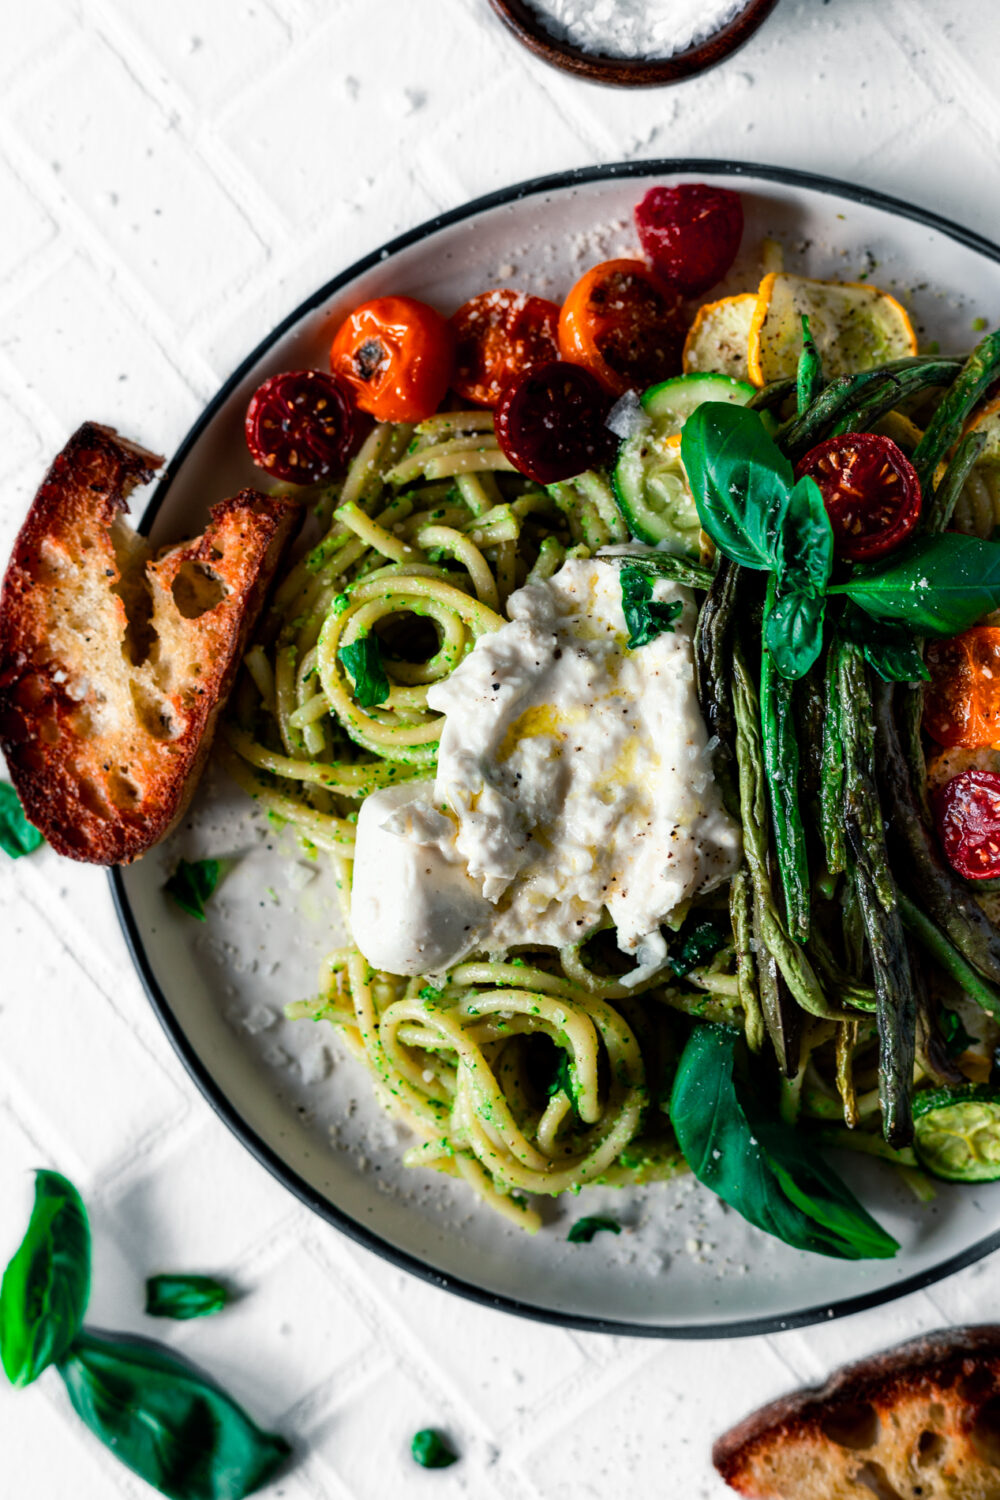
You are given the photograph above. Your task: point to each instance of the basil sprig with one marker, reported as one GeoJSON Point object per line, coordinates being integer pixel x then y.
{"type": "Point", "coordinates": [363, 660]}
{"type": "Point", "coordinates": [768, 1172]}
{"type": "Point", "coordinates": [168, 1422]}
{"type": "Point", "coordinates": [937, 585]}
{"type": "Point", "coordinates": [645, 617]}
{"type": "Point", "coordinates": [182, 1297]}
{"type": "Point", "coordinates": [17, 835]}
{"type": "Point", "coordinates": [46, 1286]}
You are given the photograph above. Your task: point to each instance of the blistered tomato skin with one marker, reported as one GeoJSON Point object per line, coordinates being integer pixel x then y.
{"type": "Point", "coordinates": [550, 423]}
{"type": "Point", "coordinates": [623, 324]}
{"type": "Point", "coordinates": [300, 426]}
{"type": "Point", "coordinates": [397, 355]}
{"type": "Point", "coordinates": [870, 489]}
{"type": "Point", "coordinates": [967, 813]}
{"type": "Point", "coordinates": [499, 335]}
{"type": "Point", "coordinates": [962, 699]}
{"type": "Point", "coordinates": [690, 233]}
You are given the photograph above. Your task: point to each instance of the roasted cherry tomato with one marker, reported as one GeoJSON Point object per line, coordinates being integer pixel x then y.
{"type": "Point", "coordinates": [871, 491]}
{"type": "Point", "coordinates": [962, 700]}
{"type": "Point", "coordinates": [691, 233]}
{"type": "Point", "coordinates": [622, 323]}
{"type": "Point", "coordinates": [967, 811]}
{"type": "Point", "coordinates": [550, 422]}
{"type": "Point", "coordinates": [498, 335]}
{"type": "Point", "coordinates": [300, 426]}
{"type": "Point", "coordinates": [397, 354]}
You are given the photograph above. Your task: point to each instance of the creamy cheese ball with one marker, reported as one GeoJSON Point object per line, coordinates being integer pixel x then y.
{"type": "Point", "coordinates": [574, 777]}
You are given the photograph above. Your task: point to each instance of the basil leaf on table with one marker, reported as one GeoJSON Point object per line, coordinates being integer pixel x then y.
{"type": "Point", "coordinates": [583, 1231]}
{"type": "Point", "coordinates": [740, 480]}
{"type": "Point", "coordinates": [645, 617]}
{"type": "Point", "coordinates": [193, 883]}
{"type": "Point", "coordinates": [763, 1169]}
{"type": "Point", "coordinates": [167, 1422]}
{"type": "Point", "coordinates": [363, 660]}
{"type": "Point", "coordinates": [47, 1284]}
{"type": "Point", "coordinates": [182, 1297]}
{"type": "Point", "coordinates": [938, 585]}
{"type": "Point", "coordinates": [432, 1451]}
{"type": "Point", "coordinates": [17, 835]}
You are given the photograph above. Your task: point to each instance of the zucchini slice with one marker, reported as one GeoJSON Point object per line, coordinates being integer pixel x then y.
{"type": "Point", "coordinates": [718, 338]}
{"type": "Point", "coordinates": [855, 326]}
{"type": "Point", "coordinates": [956, 1133]}
{"type": "Point", "coordinates": [649, 480]}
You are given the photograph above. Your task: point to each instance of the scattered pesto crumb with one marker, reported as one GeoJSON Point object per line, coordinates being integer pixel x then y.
{"type": "Point", "coordinates": [431, 1450]}
{"type": "Point", "coordinates": [979, 325]}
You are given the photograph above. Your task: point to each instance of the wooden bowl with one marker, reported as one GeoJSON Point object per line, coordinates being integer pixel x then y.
{"type": "Point", "coordinates": [627, 72]}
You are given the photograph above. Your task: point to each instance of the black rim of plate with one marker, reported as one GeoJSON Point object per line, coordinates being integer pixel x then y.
{"type": "Point", "coordinates": [533, 187]}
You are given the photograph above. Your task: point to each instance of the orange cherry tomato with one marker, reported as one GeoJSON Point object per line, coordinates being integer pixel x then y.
{"type": "Point", "coordinates": [962, 699]}
{"type": "Point", "coordinates": [500, 335]}
{"type": "Point", "coordinates": [622, 323]}
{"type": "Point", "coordinates": [397, 355]}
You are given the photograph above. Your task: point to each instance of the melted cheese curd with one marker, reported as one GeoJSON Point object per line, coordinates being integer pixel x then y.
{"type": "Point", "coordinates": [532, 854]}
{"type": "Point", "coordinates": [574, 780]}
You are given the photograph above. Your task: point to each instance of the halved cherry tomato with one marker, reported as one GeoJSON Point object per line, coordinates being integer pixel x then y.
{"type": "Point", "coordinates": [498, 335]}
{"type": "Point", "coordinates": [871, 491]}
{"type": "Point", "coordinates": [300, 426]}
{"type": "Point", "coordinates": [397, 354]}
{"type": "Point", "coordinates": [550, 422]}
{"type": "Point", "coordinates": [622, 323]}
{"type": "Point", "coordinates": [967, 812]}
{"type": "Point", "coordinates": [962, 700]}
{"type": "Point", "coordinates": [690, 233]}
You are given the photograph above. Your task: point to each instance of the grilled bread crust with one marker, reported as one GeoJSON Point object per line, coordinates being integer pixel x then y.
{"type": "Point", "coordinates": [114, 664]}
{"type": "Point", "coordinates": [920, 1422]}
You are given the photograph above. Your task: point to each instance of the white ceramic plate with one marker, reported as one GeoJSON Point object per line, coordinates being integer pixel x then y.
{"type": "Point", "coordinates": [684, 1266]}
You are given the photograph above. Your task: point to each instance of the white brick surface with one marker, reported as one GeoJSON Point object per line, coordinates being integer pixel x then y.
{"type": "Point", "coordinates": [173, 178]}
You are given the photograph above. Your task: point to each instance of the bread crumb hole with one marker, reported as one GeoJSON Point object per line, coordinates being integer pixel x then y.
{"type": "Point", "coordinates": [930, 1447]}
{"type": "Point", "coordinates": [874, 1478]}
{"type": "Point", "coordinates": [936, 1412]}
{"type": "Point", "coordinates": [93, 798]}
{"type": "Point", "coordinates": [123, 792]}
{"type": "Point", "coordinates": [154, 717]}
{"type": "Point", "coordinates": [854, 1426]}
{"type": "Point", "coordinates": [197, 589]}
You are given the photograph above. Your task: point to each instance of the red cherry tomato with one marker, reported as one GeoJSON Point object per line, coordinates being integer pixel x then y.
{"type": "Point", "coordinates": [300, 426]}
{"type": "Point", "coordinates": [498, 335]}
{"type": "Point", "coordinates": [550, 422]}
{"type": "Point", "coordinates": [622, 323]}
{"type": "Point", "coordinates": [962, 699]}
{"type": "Point", "coordinates": [690, 233]}
{"type": "Point", "coordinates": [967, 812]}
{"type": "Point", "coordinates": [397, 355]}
{"type": "Point", "coordinates": [871, 491]}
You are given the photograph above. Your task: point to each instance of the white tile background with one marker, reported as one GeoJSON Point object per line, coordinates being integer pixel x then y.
{"type": "Point", "coordinates": [174, 177]}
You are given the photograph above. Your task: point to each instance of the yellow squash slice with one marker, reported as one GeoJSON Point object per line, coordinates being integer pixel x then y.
{"type": "Point", "coordinates": [717, 339]}
{"type": "Point", "coordinates": [855, 326]}
{"type": "Point", "coordinates": [977, 512]}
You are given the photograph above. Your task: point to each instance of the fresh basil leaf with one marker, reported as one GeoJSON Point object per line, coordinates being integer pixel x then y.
{"type": "Point", "coordinates": [793, 632]}
{"type": "Point", "coordinates": [697, 943]}
{"type": "Point", "coordinates": [17, 835]}
{"type": "Point", "coordinates": [956, 1039]}
{"type": "Point", "coordinates": [192, 884]}
{"type": "Point", "coordinates": [431, 1450]}
{"type": "Point", "coordinates": [645, 617]}
{"type": "Point", "coordinates": [767, 1172]}
{"type": "Point", "coordinates": [740, 480]}
{"type": "Point", "coordinates": [938, 585]}
{"type": "Point", "coordinates": [583, 1231]}
{"type": "Point", "coordinates": [184, 1296]}
{"type": "Point", "coordinates": [363, 660]}
{"type": "Point", "coordinates": [889, 648]}
{"type": "Point", "coordinates": [806, 560]}
{"type": "Point", "coordinates": [46, 1285]}
{"type": "Point", "coordinates": [166, 1421]}
{"type": "Point", "coordinates": [562, 1080]}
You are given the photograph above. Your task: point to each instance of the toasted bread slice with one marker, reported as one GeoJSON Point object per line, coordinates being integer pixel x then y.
{"type": "Point", "coordinates": [921, 1422]}
{"type": "Point", "coordinates": [114, 664]}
